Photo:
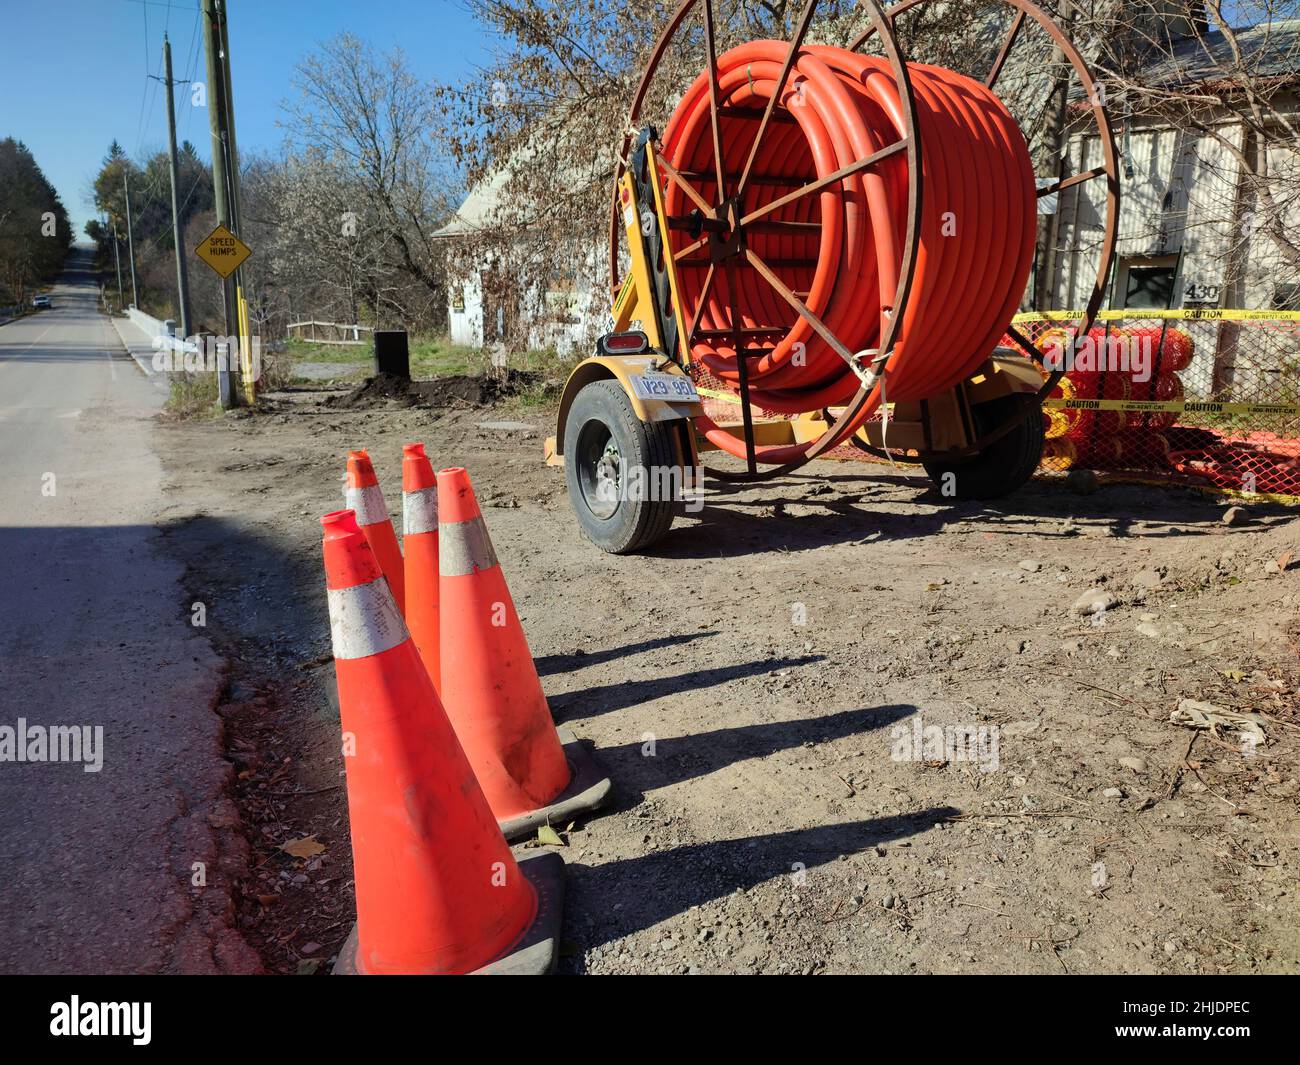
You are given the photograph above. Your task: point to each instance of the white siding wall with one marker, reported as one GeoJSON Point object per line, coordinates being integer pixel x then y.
{"type": "Point", "coordinates": [1265, 266]}
{"type": "Point", "coordinates": [568, 321]}
{"type": "Point", "coordinates": [1184, 194]}
{"type": "Point", "coordinates": [1213, 216]}
{"type": "Point", "coordinates": [466, 323]}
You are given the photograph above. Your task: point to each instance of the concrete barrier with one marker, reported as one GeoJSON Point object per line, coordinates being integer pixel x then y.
{"type": "Point", "coordinates": [153, 328]}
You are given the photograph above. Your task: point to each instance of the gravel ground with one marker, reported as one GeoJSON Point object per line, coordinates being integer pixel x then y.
{"type": "Point", "coordinates": [757, 688]}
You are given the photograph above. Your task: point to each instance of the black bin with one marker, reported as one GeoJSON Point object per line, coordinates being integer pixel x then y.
{"type": "Point", "coordinates": [392, 353]}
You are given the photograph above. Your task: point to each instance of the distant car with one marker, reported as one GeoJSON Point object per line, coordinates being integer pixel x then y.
{"type": "Point", "coordinates": [40, 301]}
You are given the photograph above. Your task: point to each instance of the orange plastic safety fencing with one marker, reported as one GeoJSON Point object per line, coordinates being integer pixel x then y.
{"type": "Point", "coordinates": [1206, 398]}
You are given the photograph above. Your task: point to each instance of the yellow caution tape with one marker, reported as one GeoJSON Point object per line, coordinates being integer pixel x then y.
{"type": "Point", "coordinates": [1178, 406]}
{"type": "Point", "coordinates": [1194, 314]}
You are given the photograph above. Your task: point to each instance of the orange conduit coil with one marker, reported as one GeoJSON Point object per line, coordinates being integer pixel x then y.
{"type": "Point", "coordinates": [976, 233]}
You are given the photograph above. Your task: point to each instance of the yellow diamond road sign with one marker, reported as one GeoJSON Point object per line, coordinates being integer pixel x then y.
{"type": "Point", "coordinates": [223, 251]}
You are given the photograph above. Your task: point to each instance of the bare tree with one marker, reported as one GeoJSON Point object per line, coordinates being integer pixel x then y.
{"type": "Point", "coordinates": [1185, 66]}
{"type": "Point", "coordinates": [366, 185]}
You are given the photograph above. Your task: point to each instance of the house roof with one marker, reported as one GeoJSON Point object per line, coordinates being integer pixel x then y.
{"type": "Point", "coordinates": [476, 213]}
{"type": "Point", "coordinates": [1268, 50]}
{"type": "Point", "coordinates": [546, 145]}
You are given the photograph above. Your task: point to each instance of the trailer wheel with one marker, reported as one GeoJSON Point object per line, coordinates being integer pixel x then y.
{"type": "Point", "coordinates": [615, 466]}
{"type": "Point", "coordinates": [1004, 465]}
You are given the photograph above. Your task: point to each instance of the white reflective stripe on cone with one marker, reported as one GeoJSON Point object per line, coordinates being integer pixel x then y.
{"type": "Point", "coordinates": [463, 547]}
{"type": "Point", "coordinates": [368, 503]}
{"type": "Point", "coordinates": [364, 620]}
{"type": "Point", "coordinates": [420, 511]}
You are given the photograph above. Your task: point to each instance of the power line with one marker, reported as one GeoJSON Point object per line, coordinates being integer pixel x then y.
{"type": "Point", "coordinates": [193, 69]}
{"type": "Point", "coordinates": [139, 130]}
{"type": "Point", "coordinates": [154, 3]}
{"type": "Point", "coordinates": [155, 240]}
{"type": "Point", "coordinates": [153, 103]}
{"type": "Point", "coordinates": [149, 96]}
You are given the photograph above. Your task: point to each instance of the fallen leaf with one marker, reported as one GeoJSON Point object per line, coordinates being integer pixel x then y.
{"type": "Point", "coordinates": [307, 966]}
{"type": "Point", "coordinates": [546, 834]}
{"type": "Point", "coordinates": [306, 847]}
{"type": "Point", "coordinates": [1234, 674]}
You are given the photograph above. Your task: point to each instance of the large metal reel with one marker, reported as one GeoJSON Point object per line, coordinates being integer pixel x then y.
{"type": "Point", "coordinates": [837, 432]}
{"type": "Point", "coordinates": [882, 25]}
{"type": "Point", "coordinates": [1024, 10]}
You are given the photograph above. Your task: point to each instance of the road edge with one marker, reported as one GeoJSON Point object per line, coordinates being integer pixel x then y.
{"type": "Point", "coordinates": [142, 360]}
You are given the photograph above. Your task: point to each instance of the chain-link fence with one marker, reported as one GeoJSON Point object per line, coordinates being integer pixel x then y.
{"type": "Point", "coordinates": [1209, 398]}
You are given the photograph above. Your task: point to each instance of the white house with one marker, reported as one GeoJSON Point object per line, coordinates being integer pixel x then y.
{"type": "Point", "coordinates": [566, 313]}
{"type": "Point", "coordinates": [1191, 228]}
{"type": "Point", "coordinates": [1188, 224]}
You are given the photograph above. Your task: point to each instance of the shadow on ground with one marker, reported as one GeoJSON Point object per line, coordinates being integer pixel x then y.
{"type": "Point", "coordinates": [654, 887]}
{"type": "Point", "coordinates": [646, 764]}
{"type": "Point", "coordinates": [739, 520]}
{"type": "Point", "coordinates": [549, 665]}
{"type": "Point", "coordinates": [590, 702]}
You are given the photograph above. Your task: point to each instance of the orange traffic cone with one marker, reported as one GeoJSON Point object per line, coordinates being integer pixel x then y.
{"type": "Point", "coordinates": [437, 888]}
{"type": "Point", "coordinates": [364, 496]}
{"type": "Point", "coordinates": [420, 544]}
{"type": "Point", "coordinates": [531, 774]}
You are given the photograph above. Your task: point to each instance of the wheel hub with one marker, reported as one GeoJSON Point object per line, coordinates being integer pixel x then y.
{"type": "Point", "coordinates": [608, 474]}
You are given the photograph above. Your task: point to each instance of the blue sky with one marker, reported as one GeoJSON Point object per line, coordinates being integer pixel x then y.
{"type": "Point", "coordinates": [74, 73]}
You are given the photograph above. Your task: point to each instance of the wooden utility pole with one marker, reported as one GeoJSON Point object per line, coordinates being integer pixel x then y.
{"type": "Point", "coordinates": [214, 17]}
{"type": "Point", "coordinates": [182, 278]}
{"type": "Point", "coordinates": [130, 240]}
{"type": "Point", "coordinates": [232, 154]}
{"type": "Point", "coordinates": [236, 209]}
{"type": "Point", "coordinates": [117, 261]}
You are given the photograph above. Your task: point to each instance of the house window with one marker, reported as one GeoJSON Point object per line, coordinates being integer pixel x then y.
{"type": "Point", "coordinates": [1286, 297]}
{"type": "Point", "coordinates": [1148, 282]}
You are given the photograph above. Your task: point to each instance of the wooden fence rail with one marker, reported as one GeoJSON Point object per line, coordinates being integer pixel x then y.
{"type": "Point", "coordinates": [329, 332]}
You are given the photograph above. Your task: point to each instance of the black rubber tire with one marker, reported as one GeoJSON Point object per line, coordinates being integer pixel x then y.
{"type": "Point", "coordinates": [1006, 464]}
{"type": "Point", "coordinates": [634, 524]}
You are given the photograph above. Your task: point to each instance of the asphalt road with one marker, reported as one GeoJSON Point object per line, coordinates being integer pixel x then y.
{"type": "Point", "coordinates": [123, 869]}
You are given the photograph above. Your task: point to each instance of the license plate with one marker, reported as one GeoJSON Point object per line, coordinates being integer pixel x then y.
{"type": "Point", "coordinates": [671, 387]}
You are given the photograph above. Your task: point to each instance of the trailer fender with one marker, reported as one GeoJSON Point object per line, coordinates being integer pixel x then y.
{"type": "Point", "coordinates": [621, 368]}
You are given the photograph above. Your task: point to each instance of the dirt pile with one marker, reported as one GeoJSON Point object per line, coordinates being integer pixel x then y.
{"type": "Point", "coordinates": [387, 390]}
